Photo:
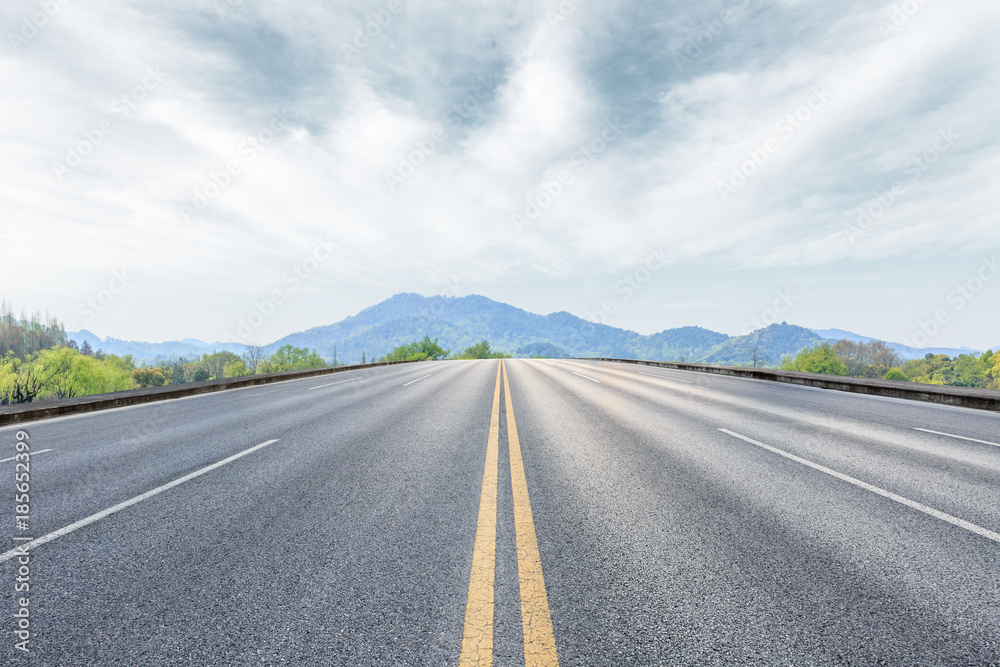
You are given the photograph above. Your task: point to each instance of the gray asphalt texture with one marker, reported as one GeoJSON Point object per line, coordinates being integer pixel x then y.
{"type": "Point", "coordinates": [663, 540]}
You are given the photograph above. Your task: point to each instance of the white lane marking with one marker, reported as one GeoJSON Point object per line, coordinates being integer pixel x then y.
{"type": "Point", "coordinates": [25, 548]}
{"type": "Point", "coordinates": [40, 451]}
{"type": "Point", "coordinates": [937, 514]}
{"type": "Point", "coordinates": [960, 437]}
{"type": "Point", "coordinates": [331, 384]}
{"type": "Point", "coordinates": [417, 380]}
{"type": "Point", "coordinates": [586, 378]}
{"type": "Point", "coordinates": [664, 377]}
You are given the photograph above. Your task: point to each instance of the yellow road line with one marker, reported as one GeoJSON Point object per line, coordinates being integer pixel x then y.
{"type": "Point", "coordinates": [477, 638]}
{"type": "Point", "coordinates": [539, 639]}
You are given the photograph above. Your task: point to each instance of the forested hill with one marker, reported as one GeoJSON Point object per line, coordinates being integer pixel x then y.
{"type": "Point", "coordinates": [461, 321]}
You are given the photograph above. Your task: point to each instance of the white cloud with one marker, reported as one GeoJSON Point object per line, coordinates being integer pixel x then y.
{"type": "Point", "coordinates": [539, 92]}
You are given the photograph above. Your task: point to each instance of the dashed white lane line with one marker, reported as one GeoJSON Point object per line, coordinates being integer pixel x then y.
{"type": "Point", "coordinates": [26, 547]}
{"type": "Point", "coordinates": [333, 383]}
{"type": "Point", "coordinates": [40, 451]}
{"type": "Point", "coordinates": [417, 380]}
{"type": "Point", "coordinates": [586, 378]}
{"type": "Point", "coordinates": [959, 437]}
{"type": "Point", "coordinates": [920, 507]}
{"type": "Point", "coordinates": [664, 377]}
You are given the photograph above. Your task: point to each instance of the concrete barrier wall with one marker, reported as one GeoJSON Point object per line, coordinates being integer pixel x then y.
{"type": "Point", "coordinates": [980, 399]}
{"type": "Point", "coordinates": [26, 412]}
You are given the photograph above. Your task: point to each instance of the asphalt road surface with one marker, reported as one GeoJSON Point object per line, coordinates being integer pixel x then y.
{"type": "Point", "coordinates": [539, 513]}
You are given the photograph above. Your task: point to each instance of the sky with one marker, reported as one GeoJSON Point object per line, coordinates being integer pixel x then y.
{"type": "Point", "coordinates": [172, 170]}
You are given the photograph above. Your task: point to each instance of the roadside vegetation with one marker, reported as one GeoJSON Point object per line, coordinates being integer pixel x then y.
{"type": "Point", "coordinates": [481, 350]}
{"type": "Point", "coordinates": [38, 362]}
{"type": "Point", "coordinates": [876, 359]}
{"type": "Point", "coordinates": [423, 350]}
{"type": "Point", "coordinates": [428, 349]}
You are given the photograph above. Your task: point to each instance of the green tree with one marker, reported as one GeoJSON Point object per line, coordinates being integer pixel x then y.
{"type": "Point", "coordinates": [422, 350]}
{"type": "Point", "coordinates": [819, 359]}
{"type": "Point", "coordinates": [871, 359]}
{"type": "Point", "coordinates": [114, 373]}
{"type": "Point", "coordinates": [291, 358]}
{"type": "Point", "coordinates": [63, 373]}
{"type": "Point", "coordinates": [932, 369]}
{"type": "Point", "coordinates": [177, 375]}
{"type": "Point", "coordinates": [236, 369]}
{"type": "Point", "coordinates": [894, 374]}
{"type": "Point", "coordinates": [482, 350]}
{"type": "Point", "coordinates": [59, 368]}
{"type": "Point", "coordinates": [149, 377]}
{"type": "Point", "coordinates": [970, 371]}
{"type": "Point", "coordinates": [19, 380]}
{"type": "Point", "coordinates": [216, 363]}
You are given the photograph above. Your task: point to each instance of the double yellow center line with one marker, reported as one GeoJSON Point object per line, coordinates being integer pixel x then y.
{"type": "Point", "coordinates": [477, 638]}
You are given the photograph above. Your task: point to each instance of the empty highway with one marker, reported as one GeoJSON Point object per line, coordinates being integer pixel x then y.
{"type": "Point", "coordinates": [534, 512]}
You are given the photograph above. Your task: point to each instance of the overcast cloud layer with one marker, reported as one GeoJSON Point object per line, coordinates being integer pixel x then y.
{"type": "Point", "coordinates": [221, 153]}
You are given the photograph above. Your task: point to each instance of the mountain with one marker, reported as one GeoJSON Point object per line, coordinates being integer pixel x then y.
{"type": "Point", "coordinates": [904, 351]}
{"type": "Point", "coordinates": [458, 322]}
{"type": "Point", "coordinates": [546, 350]}
{"type": "Point", "coordinates": [189, 347]}
{"type": "Point", "coordinates": [771, 344]}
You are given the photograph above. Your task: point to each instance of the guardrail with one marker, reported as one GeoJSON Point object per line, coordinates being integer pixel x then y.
{"type": "Point", "coordinates": [966, 397]}
{"type": "Point", "coordinates": [25, 412]}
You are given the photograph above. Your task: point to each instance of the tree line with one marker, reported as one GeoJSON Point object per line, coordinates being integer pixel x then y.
{"type": "Point", "coordinates": [875, 359]}
{"type": "Point", "coordinates": [65, 371]}
{"type": "Point", "coordinates": [38, 362]}
{"type": "Point", "coordinates": [427, 350]}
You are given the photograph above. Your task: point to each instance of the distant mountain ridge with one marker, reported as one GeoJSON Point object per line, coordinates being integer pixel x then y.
{"type": "Point", "coordinates": [458, 322]}
{"type": "Point", "coordinates": [189, 347]}
{"type": "Point", "coordinates": [905, 351]}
